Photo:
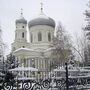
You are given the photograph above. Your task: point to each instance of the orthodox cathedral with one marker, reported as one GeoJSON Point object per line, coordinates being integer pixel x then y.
{"type": "Point", "coordinates": [36, 52]}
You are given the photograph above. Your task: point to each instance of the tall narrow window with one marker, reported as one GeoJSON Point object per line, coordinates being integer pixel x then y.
{"type": "Point", "coordinates": [31, 37]}
{"type": "Point", "coordinates": [23, 46]}
{"type": "Point", "coordinates": [23, 35]}
{"type": "Point", "coordinates": [49, 36]}
{"type": "Point", "coordinates": [14, 48]}
{"type": "Point", "coordinates": [15, 34]}
{"type": "Point", "coordinates": [22, 26]}
{"type": "Point", "coordinates": [39, 36]}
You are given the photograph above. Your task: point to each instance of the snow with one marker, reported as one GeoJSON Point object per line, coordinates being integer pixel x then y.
{"type": "Point", "coordinates": [27, 49]}
{"type": "Point", "coordinates": [1, 74]}
{"type": "Point", "coordinates": [49, 49]}
{"type": "Point", "coordinates": [87, 76]}
{"type": "Point", "coordinates": [74, 69]}
{"type": "Point", "coordinates": [24, 69]}
{"type": "Point", "coordinates": [26, 78]}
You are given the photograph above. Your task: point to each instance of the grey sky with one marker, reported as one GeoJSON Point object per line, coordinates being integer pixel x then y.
{"type": "Point", "coordinates": [69, 12]}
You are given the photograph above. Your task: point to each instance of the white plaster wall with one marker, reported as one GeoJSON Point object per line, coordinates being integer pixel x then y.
{"type": "Point", "coordinates": [19, 41]}
{"type": "Point", "coordinates": [19, 30]}
{"type": "Point", "coordinates": [18, 37]}
{"type": "Point", "coordinates": [19, 25]}
{"type": "Point", "coordinates": [44, 29]}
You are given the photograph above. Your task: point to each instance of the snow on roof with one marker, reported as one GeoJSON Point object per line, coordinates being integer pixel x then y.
{"type": "Point", "coordinates": [34, 50]}
{"type": "Point", "coordinates": [63, 70]}
{"type": "Point", "coordinates": [83, 76]}
{"type": "Point", "coordinates": [49, 49]}
{"type": "Point", "coordinates": [24, 69]}
{"type": "Point", "coordinates": [2, 74]}
{"type": "Point", "coordinates": [24, 49]}
{"type": "Point", "coordinates": [75, 69]}
{"type": "Point", "coordinates": [26, 78]}
{"type": "Point", "coordinates": [88, 67]}
{"type": "Point", "coordinates": [84, 70]}
{"type": "Point", "coordinates": [73, 77]}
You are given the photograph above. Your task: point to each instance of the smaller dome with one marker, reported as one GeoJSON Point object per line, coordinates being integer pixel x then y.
{"type": "Point", "coordinates": [21, 20]}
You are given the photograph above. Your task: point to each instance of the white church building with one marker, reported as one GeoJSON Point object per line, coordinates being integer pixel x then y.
{"type": "Point", "coordinates": [36, 52]}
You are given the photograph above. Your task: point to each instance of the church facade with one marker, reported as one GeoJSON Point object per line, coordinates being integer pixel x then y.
{"type": "Point", "coordinates": [36, 52]}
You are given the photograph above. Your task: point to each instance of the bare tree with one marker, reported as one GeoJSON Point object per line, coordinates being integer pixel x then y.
{"type": "Point", "coordinates": [78, 48]}
{"type": "Point", "coordinates": [61, 44]}
{"type": "Point", "coordinates": [87, 35]}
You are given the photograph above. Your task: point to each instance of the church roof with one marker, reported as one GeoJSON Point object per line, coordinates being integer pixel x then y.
{"type": "Point", "coordinates": [21, 19]}
{"type": "Point", "coordinates": [23, 49]}
{"type": "Point", "coordinates": [24, 69]}
{"type": "Point", "coordinates": [42, 19]}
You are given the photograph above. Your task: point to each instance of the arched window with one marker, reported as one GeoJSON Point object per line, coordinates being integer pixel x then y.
{"type": "Point", "coordinates": [15, 34]}
{"type": "Point", "coordinates": [22, 26]}
{"type": "Point", "coordinates": [31, 37]}
{"type": "Point", "coordinates": [23, 35]}
{"type": "Point", "coordinates": [39, 36]}
{"type": "Point", "coordinates": [49, 36]}
{"type": "Point", "coordinates": [23, 46]}
{"type": "Point", "coordinates": [14, 48]}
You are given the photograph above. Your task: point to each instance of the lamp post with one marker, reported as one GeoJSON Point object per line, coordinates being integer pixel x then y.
{"type": "Point", "coordinates": [66, 68]}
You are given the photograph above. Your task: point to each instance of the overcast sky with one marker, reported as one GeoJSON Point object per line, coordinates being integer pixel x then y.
{"type": "Point", "coordinates": [69, 12]}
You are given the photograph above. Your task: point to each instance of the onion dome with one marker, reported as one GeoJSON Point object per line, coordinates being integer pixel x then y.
{"type": "Point", "coordinates": [42, 19]}
{"type": "Point", "coordinates": [21, 19]}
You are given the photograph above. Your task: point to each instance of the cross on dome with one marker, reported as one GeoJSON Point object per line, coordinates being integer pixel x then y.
{"type": "Point", "coordinates": [21, 12]}
{"type": "Point", "coordinates": [21, 19]}
{"type": "Point", "coordinates": [41, 7]}
{"type": "Point", "coordinates": [42, 19]}
{"type": "Point", "coordinates": [42, 13]}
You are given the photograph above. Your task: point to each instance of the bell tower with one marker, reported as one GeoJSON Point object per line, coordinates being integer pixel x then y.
{"type": "Point", "coordinates": [20, 33]}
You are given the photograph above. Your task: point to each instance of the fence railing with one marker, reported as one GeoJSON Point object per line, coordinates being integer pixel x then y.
{"type": "Point", "coordinates": [50, 83]}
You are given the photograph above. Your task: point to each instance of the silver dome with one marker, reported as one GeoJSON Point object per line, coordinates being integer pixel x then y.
{"type": "Point", "coordinates": [42, 20]}
{"type": "Point", "coordinates": [21, 20]}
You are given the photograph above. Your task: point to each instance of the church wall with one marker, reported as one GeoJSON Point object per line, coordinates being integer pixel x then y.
{"type": "Point", "coordinates": [17, 45]}
{"type": "Point", "coordinates": [44, 43]}
{"type": "Point", "coordinates": [35, 53]}
{"type": "Point", "coordinates": [20, 26]}
{"type": "Point", "coordinates": [20, 37]}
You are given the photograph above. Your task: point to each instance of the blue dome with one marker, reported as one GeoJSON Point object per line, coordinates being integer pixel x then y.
{"type": "Point", "coordinates": [42, 20]}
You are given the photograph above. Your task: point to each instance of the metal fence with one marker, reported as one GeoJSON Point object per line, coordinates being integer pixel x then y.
{"type": "Point", "coordinates": [47, 84]}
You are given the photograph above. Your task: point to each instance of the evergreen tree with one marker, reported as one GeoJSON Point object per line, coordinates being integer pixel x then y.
{"type": "Point", "coordinates": [87, 36]}
{"type": "Point", "coordinates": [11, 61]}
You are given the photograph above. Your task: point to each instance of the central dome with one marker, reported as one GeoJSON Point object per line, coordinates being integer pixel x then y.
{"type": "Point", "coordinates": [42, 19]}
